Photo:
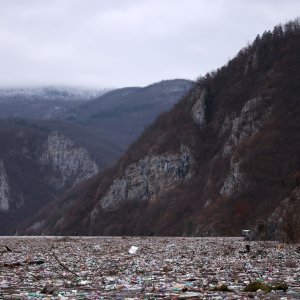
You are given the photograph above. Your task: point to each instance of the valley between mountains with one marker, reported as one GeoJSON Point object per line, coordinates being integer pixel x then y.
{"type": "Point", "coordinates": [54, 138]}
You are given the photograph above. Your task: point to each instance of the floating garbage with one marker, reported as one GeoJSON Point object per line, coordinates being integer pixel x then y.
{"type": "Point", "coordinates": [133, 249]}
{"type": "Point", "coordinates": [167, 268]}
{"type": "Point", "coordinates": [97, 248]}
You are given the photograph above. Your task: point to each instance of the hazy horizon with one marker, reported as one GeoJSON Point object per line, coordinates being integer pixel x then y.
{"type": "Point", "coordinates": [74, 86]}
{"type": "Point", "coordinates": [113, 44]}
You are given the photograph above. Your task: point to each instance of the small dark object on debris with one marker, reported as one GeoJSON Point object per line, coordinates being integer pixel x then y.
{"type": "Point", "coordinates": [221, 288]}
{"type": "Point", "coordinates": [18, 263]}
{"type": "Point", "coordinates": [12, 265]}
{"type": "Point", "coordinates": [167, 269]}
{"type": "Point", "coordinates": [280, 286]}
{"type": "Point", "coordinates": [36, 262]}
{"type": "Point", "coordinates": [7, 249]}
{"type": "Point", "coordinates": [48, 289]}
{"type": "Point", "coordinates": [257, 285]}
{"type": "Point", "coordinates": [245, 251]}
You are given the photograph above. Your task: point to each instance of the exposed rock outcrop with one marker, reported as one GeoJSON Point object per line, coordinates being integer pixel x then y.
{"type": "Point", "coordinates": [72, 163]}
{"type": "Point", "coordinates": [150, 177]}
{"type": "Point", "coordinates": [4, 189]}
{"type": "Point", "coordinates": [233, 181]}
{"type": "Point", "coordinates": [250, 120]}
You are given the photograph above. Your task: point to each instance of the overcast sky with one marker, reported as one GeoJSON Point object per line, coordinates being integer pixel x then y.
{"type": "Point", "coordinates": [116, 43]}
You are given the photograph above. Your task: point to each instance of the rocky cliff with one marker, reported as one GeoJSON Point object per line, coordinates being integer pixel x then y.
{"type": "Point", "coordinates": [220, 161]}
{"type": "Point", "coordinates": [35, 166]}
{"type": "Point", "coordinates": [73, 164]}
{"type": "Point", "coordinates": [148, 179]}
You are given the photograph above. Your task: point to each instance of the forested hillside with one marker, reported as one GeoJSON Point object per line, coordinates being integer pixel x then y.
{"type": "Point", "coordinates": [221, 160]}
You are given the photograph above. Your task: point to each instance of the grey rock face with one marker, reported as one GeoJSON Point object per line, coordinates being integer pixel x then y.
{"type": "Point", "coordinates": [198, 109]}
{"type": "Point", "coordinates": [149, 177]}
{"type": "Point", "coordinates": [4, 189]}
{"type": "Point", "coordinates": [37, 225]}
{"type": "Point", "coordinates": [250, 121]}
{"type": "Point", "coordinates": [73, 164]}
{"type": "Point", "coordinates": [233, 181]}
{"type": "Point", "coordinates": [225, 126]}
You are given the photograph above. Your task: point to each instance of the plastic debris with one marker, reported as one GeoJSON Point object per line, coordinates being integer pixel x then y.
{"type": "Point", "coordinates": [97, 248]}
{"type": "Point", "coordinates": [167, 268]}
{"type": "Point", "coordinates": [133, 249]}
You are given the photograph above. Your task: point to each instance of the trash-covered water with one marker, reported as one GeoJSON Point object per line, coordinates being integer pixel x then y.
{"type": "Point", "coordinates": [145, 268]}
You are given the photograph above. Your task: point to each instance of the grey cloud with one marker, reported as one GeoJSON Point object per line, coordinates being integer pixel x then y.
{"type": "Point", "coordinates": [111, 43]}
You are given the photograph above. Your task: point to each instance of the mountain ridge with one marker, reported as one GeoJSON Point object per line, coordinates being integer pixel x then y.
{"type": "Point", "coordinates": [239, 128]}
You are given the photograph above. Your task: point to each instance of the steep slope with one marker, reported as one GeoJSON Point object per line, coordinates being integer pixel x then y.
{"type": "Point", "coordinates": [221, 160]}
